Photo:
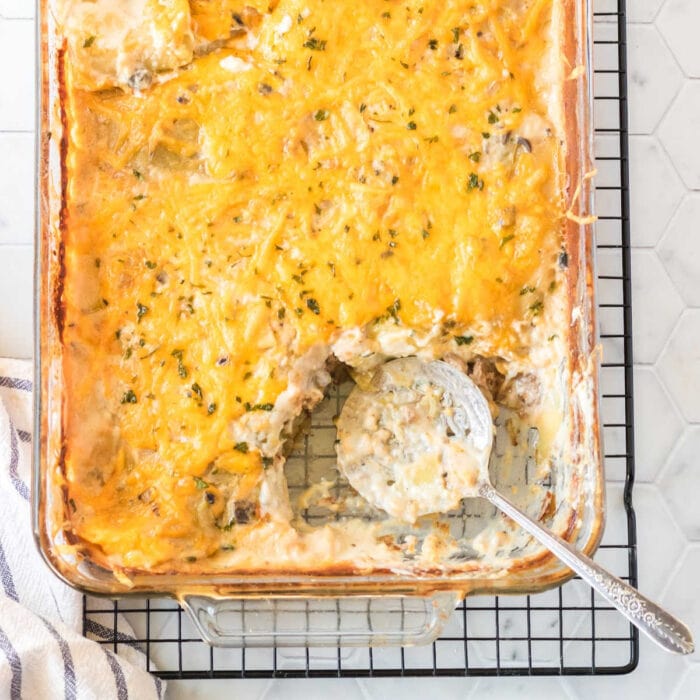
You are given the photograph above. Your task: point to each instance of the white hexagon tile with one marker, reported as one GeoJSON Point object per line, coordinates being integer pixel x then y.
{"type": "Point", "coordinates": [679, 365]}
{"type": "Point", "coordinates": [656, 305]}
{"type": "Point", "coordinates": [680, 250]}
{"type": "Point", "coordinates": [678, 22]}
{"type": "Point", "coordinates": [654, 78]}
{"type": "Point", "coordinates": [678, 133]}
{"type": "Point", "coordinates": [658, 424]}
{"type": "Point", "coordinates": [657, 192]}
{"type": "Point", "coordinates": [664, 106]}
{"type": "Point", "coordinates": [682, 477]}
{"type": "Point", "coordinates": [643, 10]}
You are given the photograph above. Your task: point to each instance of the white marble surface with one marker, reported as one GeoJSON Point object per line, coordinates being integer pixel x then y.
{"type": "Point", "coordinates": [665, 193]}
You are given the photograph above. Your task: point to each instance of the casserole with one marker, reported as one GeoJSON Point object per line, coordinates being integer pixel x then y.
{"type": "Point", "coordinates": [231, 209]}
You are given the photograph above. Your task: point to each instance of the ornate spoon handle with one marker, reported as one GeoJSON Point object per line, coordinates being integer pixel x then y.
{"type": "Point", "coordinates": [655, 622]}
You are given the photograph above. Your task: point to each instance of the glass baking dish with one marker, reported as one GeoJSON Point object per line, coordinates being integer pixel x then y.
{"type": "Point", "coordinates": [349, 609]}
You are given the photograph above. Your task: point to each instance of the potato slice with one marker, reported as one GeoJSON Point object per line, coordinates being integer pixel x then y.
{"type": "Point", "coordinates": [126, 43]}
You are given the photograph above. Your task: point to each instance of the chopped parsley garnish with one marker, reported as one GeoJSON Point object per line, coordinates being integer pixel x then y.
{"type": "Point", "coordinates": [129, 397]}
{"type": "Point", "coordinates": [515, 110]}
{"type": "Point", "coordinates": [486, 134]}
{"type": "Point", "coordinates": [363, 107]}
{"type": "Point", "coordinates": [200, 483]}
{"type": "Point", "coordinates": [320, 115]}
{"type": "Point", "coordinates": [181, 369]}
{"type": "Point", "coordinates": [313, 305]}
{"type": "Point", "coordinates": [526, 290]}
{"type": "Point", "coordinates": [241, 447]}
{"type": "Point", "coordinates": [411, 126]}
{"type": "Point", "coordinates": [267, 462]}
{"type": "Point", "coordinates": [211, 408]}
{"type": "Point", "coordinates": [89, 41]}
{"type": "Point", "coordinates": [452, 109]}
{"type": "Point", "coordinates": [197, 391]}
{"type": "Point", "coordinates": [137, 175]}
{"type": "Point", "coordinates": [433, 44]}
{"type": "Point", "coordinates": [150, 264]}
{"type": "Point", "coordinates": [425, 233]}
{"type": "Point", "coordinates": [464, 339]}
{"type": "Point", "coordinates": [493, 117]}
{"type": "Point", "coordinates": [315, 44]}
{"type": "Point", "coordinates": [536, 308]}
{"type": "Point", "coordinates": [258, 406]}
{"type": "Point", "coordinates": [505, 239]}
{"type": "Point", "coordinates": [455, 34]}
{"type": "Point", "coordinates": [474, 182]}
{"type": "Point", "coordinates": [475, 157]}
{"type": "Point", "coordinates": [394, 179]}
{"type": "Point", "coordinates": [394, 309]}
{"type": "Point", "coordinates": [141, 311]}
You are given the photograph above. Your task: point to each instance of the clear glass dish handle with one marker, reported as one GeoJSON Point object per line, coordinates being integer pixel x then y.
{"type": "Point", "coordinates": [333, 621]}
{"type": "Point", "coordinates": [654, 621]}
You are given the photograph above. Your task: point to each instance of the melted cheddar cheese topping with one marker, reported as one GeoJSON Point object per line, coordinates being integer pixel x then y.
{"type": "Point", "coordinates": [255, 186]}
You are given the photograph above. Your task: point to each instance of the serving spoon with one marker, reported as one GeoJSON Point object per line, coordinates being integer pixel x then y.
{"type": "Point", "coordinates": [417, 440]}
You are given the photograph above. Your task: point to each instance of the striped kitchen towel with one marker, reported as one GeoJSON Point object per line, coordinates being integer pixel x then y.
{"type": "Point", "coordinates": [43, 654]}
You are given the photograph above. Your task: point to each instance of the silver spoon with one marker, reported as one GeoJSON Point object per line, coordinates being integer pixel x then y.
{"type": "Point", "coordinates": [420, 420]}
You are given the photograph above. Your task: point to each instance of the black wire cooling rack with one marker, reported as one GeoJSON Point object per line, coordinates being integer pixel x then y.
{"type": "Point", "coordinates": [566, 631]}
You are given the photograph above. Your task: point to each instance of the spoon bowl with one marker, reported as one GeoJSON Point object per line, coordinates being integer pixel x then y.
{"type": "Point", "coordinates": [417, 439]}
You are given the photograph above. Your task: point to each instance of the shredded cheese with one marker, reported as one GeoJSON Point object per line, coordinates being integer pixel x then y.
{"type": "Point", "coordinates": [307, 169]}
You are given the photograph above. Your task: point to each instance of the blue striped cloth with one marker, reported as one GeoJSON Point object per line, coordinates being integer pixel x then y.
{"type": "Point", "coordinates": [42, 651]}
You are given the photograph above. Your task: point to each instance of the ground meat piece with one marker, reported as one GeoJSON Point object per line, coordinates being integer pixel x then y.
{"type": "Point", "coordinates": [521, 392]}
{"type": "Point", "coordinates": [485, 375]}
{"type": "Point", "coordinates": [245, 511]}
